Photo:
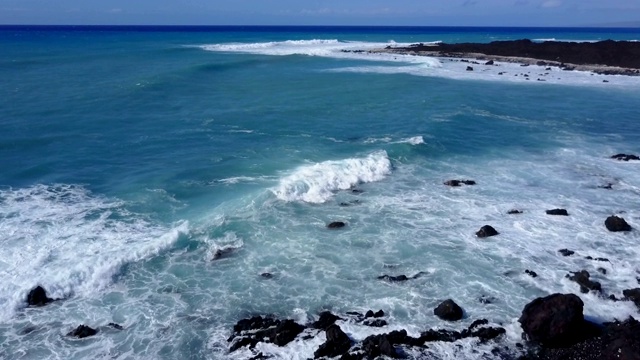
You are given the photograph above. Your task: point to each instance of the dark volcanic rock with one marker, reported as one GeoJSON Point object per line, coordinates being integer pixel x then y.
{"type": "Point", "coordinates": [608, 52]}
{"type": "Point", "coordinates": [337, 343]}
{"type": "Point", "coordinates": [376, 345]}
{"type": "Point", "coordinates": [375, 323]}
{"type": "Point", "coordinates": [82, 331]}
{"type": "Point", "coordinates": [336, 225]}
{"type": "Point", "coordinates": [614, 223]}
{"type": "Point", "coordinates": [285, 332]}
{"type": "Point", "coordinates": [38, 297]}
{"type": "Point", "coordinates": [553, 321]}
{"type": "Point", "coordinates": [625, 157]}
{"type": "Point", "coordinates": [115, 326]}
{"type": "Point", "coordinates": [223, 252]}
{"type": "Point", "coordinates": [393, 278]}
{"type": "Point", "coordinates": [566, 252]}
{"type": "Point", "coordinates": [326, 319]}
{"type": "Point", "coordinates": [514, 211]}
{"type": "Point", "coordinates": [440, 335]}
{"type": "Point", "coordinates": [490, 62]}
{"type": "Point", "coordinates": [582, 278]}
{"type": "Point", "coordinates": [455, 183]}
{"type": "Point", "coordinates": [255, 323]}
{"type": "Point", "coordinates": [561, 212]}
{"type": "Point", "coordinates": [531, 273]}
{"type": "Point", "coordinates": [617, 340]}
{"type": "Point", "coordinates": [256, 329]}
{"type": "Point", "coordinates": [469, 68]}
{"type": "Point", "coordinates": [377, 314]}
{"type": "Point", "coordinates": [448, 310]}
{"type": "Point", "coordinates": [632, 295]}
{"type": "Point", "coordinates": [486, 231]}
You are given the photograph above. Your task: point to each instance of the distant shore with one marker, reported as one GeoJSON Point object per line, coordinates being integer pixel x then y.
{"type": "Point", "coordinates": [604, 57]}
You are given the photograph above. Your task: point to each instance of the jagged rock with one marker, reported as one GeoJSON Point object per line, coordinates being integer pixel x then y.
{"type": "Point", "coordinates": [531, 273]}
{"type": "Point", "coordinates": [256, 329]}
{"type": "Point", "coordinates": [561, 212]}
{"type": "Point", "coordinates": [554, 321]}
{"type": "Point", "coordinates": [566, 252]}
{"type": "Point", "coordinates": [38, 297]}
{"type": "Point", "coordinates": [115, 326]}
{"type": "Point", "coordinates": [285, 332]}
{"type": "Point", "coordinates": [448, 310]}
{"type": "Point", "coordinates": [486, 231]}
{"type": "Point", "coordinates": [393, 278]}
{"type": "Point", "coordinates": [82, 331]}
{"type": "Point", "coordinates": [469, 68]}
{"type": "Point", "coordinates": [376, 345]}
{"type": "Point", "coordinates": [439, 335]}
{"type": "Point", "coordinates": [326, 319]}
{"type": "Point", "coordinates": [615, 223]}
{"type": "Point", "coordinates": [632, 295]}
{"type": "Point", "coordinates": [337, 343]}
{"type": "Point", "coordinates": [223, 252]}
{"type": "Point", "coordinates": [455, 183]}
{"type": "Point", "coordinates": [375, 323]}
{"type": "Point", "coordinates": [582, 278]}
{"type": "Point", "coordinates": [625, 157]}
{"type": "Point", "coordinates": [336, 225]}
{"type": "Point", "coordinates": [377, 314]}
{"type": "Point", "coordinates": [514, 211]}
{"type": "Point", "coordinates": [490, 62]}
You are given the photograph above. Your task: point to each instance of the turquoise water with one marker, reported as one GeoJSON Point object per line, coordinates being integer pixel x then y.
{"type": "Point", "coordinates": [129, 156]}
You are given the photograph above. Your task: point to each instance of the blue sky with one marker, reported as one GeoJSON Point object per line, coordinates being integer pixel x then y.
{"type": "Point", "coordinates": [324, 12]}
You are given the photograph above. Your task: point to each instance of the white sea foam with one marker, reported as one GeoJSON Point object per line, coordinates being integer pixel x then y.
{"type": "Point", "coordinates": [69, 241]}
{"type": "Point", "coordinates": [416, 140]}
{"type": "Point", "coordinates": [317, 183]}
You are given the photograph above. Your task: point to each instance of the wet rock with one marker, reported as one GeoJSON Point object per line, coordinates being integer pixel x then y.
{"type": "Point", "coordinates": [632, 295]}
{"type": "Point", "coordinates": [625, 157]}
{"type": "Point", "coordinates": [561, 212]}
{"type": "Point", "coordinates": [115, 326]}
{"type": "Point", "coordinates": [82, 331]}
{"type": "Point", "coordinates": [267, 275]}
{"type": "Point", "coordinates": [375, 323]}
{"type": "Point", "coordinates": [455, 183]}
{"type": "Point", "coordinates": [603, 271]}
{"type": "Point", "coordinates": [326, 319]}
{"type": "Point", "coordinates": [566, 252]}
{"type": "Point", "coordinates": [490, 62]}
{"type": "Point", "coordinates": [469, 68]}
{"type": "Point", "coordinates": [477, 323]}
{"type": "Point", "coordinates": [377, 345]}
{"type": "Point", "coordinates": [615, 223]}
{"type": "Point", "coordinates": [337, 343]}
{"type": "Point", "coordinates": [486, 231]}
{"type": "Point", "coordinates": [608, 186]}
{"type": "Point", "coordinates": [38, 297]}
{"type": "Point", "coordinates": [488, 333]}
{"type": "Point", "coordinates": [554, 321]}
{"type": "Point", "coordinates": [223, 252]}
{"type": "Point", "coordinates": [440, 335]}
{"type": "Point", "coordinates": [254, 323]}
{"type": "Point", "coordinates": [377, 314]}
{"type": "Point", "coordinates": [390, 278]}
{"type": "Point", "coordinates": [582, 278]}
{"type": "Point", "coordinates": [484, 299]}
{"type": "Point", "coordinates": [531, 273]}
{"type": "Point", "coordinates": [448, 310]}
{"type": "Point", "coordinates": [336, 225]}
{"type": "Point", "coordinates": [285, 332]}
{"type": "Point", "coordinates": [514, 211]}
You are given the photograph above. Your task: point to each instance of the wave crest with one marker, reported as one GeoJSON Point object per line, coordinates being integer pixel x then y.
{"type": "Point", "coordinates": [317, 183]}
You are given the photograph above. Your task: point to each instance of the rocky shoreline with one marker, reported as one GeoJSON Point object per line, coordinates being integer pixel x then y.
{"type": "Point", "coordinates": [604, 57]}
{"type": "Point", "coordinates": [554, 327]}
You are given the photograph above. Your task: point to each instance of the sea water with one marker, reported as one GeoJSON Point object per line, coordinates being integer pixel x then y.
{"type": "Point", "coordinates": [131, 156]}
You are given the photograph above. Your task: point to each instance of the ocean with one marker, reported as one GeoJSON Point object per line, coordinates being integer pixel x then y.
{"type": "Point", "coordinates": [132, 157]}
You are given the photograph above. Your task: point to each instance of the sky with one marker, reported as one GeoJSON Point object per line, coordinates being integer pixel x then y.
{"type": "Point", "coordinates": [323, 12]}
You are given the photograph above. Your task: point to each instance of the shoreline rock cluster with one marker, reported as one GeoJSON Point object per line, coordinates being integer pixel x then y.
{"type": "Point", "coordinates": [604, 57]}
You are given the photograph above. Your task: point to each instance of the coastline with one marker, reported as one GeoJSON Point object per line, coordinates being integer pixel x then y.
{"type": "Point", "coordinates": [604, 58]}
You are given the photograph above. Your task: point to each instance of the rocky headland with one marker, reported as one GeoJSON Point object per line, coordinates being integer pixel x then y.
{"type": "Point", "coordinates": [604, 57]}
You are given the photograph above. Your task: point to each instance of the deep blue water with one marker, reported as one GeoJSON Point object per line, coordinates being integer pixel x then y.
{"type": "Point", "coordinates": [129, 155]}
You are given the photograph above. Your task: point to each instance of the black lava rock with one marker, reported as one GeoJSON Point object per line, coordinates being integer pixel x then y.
{"type": "Point", "coordinates": [326, 319]}
{"type": "Point", "coordinates": [82, 331]}
{"type": "Point", "coordinates": [531, 273]}
{"type": "Point", "coordinates": [514, 211]}
{"type": "Point", "coordinates": [38, 297]}
{"type": "Point", "coordinates": [486, 231]}
{"type": "Point", "coordinates": [566, 252]}
{"type": "Point", "coordinates": [615, 223]}
{"type": "Point", "coordinates": [625, 157]}
{"type": "Point", "coordinates": [448, 310]}
{"type": "Point", "coordinates": [337, 343]}
{"type": "Point", "coordinates": [336, 225]}
{"type": "Point", "coordinates": [561, 212]}
{"type": "Point", "coordinates": [582, 278]}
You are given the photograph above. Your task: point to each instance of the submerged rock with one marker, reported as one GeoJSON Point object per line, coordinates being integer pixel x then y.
{"type": "Point", "coordinates": [632, 295]}
{"type": "Point", "coordinates": [38, 297]}
{"type": "Point", "coordinates": [514, 211]}
{"type": "Point", "coordinates": [448, 310]}
{"type": "Point", "coordinates": [82, 331]}
{"type": "Point", "coordinates": [615, 223]}
{"type": "Point", "coordinates": [533, 274]}
{"type": "Point", "coordinates": [486, 231]}
{"type": "Point", "coordinates": [566, 252]}
{"type": "Point", "coordinates": [561, 212]}
{"type": "Point", "coordinates": [455, 183]}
